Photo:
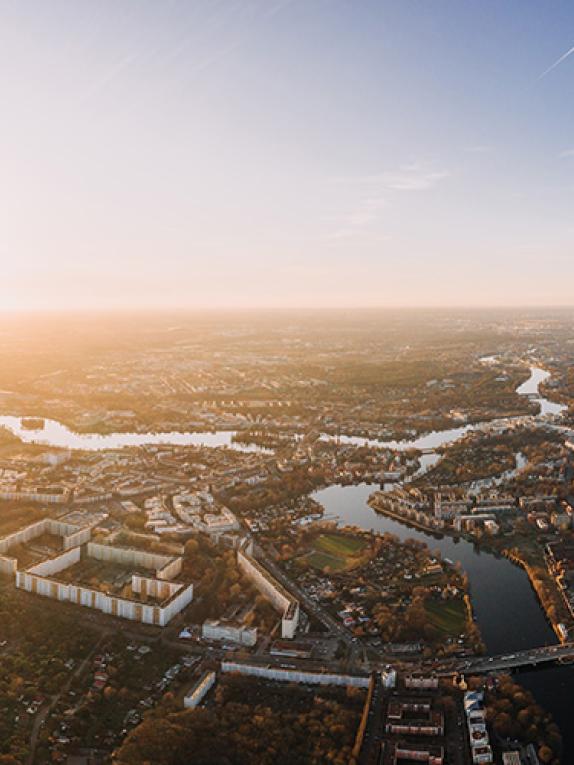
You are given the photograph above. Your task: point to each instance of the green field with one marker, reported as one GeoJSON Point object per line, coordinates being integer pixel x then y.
{"type": "Point", "coordinates": [321, 560]}
{"type": "Point", "coordinates": [449, 617]}
{"type": "Point", "coordinates": [337, 551]}
{"type": "Point", "coordinates": [337, 544]}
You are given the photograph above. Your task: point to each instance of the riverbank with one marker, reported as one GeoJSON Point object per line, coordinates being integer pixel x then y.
{"type": "Point", "coordinates": [56, 434]}
{"type": "Point", "coordinates": [505, 606]}
{"type": "Point", "coordinates": [540, 580]}
{"type": "Point", "coordinates": [412, 522]}
{"type": "Point", "coordinates": [548, 605]}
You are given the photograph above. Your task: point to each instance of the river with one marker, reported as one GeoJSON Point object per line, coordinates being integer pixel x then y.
{"type": "Point", "coordinates": [54, 433]}
{"type": "Point", "coordinates": [438, 438]}
{"type": "Point", "coordinates": [531, 388]}
{"type": "Point", "coordinates": [506, 608]}
{"type": "Point", "coordinates": [505, 605]}
{"type": "Point", "coordinates": [429, 442]}
{"type": "Point", "coordinates": [510, 617]}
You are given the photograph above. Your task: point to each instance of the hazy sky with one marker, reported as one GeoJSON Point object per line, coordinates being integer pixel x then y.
{"type": "Point", "coordinates": [189, 153]}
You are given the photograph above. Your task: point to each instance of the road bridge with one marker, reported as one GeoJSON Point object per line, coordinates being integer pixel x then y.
{"type": "Point", "coordinates": [532, 657]}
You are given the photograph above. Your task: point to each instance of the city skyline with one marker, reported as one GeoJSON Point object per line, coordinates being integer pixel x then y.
{"type": "Point", "coordinates": [286, 154]}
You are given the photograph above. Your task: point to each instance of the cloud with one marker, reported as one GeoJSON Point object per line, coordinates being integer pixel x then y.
{"type": "Point", "coordinates": [478, 149]}
{"type": "Point", "coordinates": [566, 153]}
{"type": "Point", "coordinates": [365, 213]}
{"type": "Point", "coordinates": [278, 7]}
{"type": "Point", "coordinates": [555, 64]}
{"type": "Point", "coordinates": [375, 192]}
{"type": "Point", "coordinates": [412, 178]}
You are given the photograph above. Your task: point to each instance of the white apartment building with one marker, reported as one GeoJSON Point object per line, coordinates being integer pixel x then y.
{"type": "Point", "coordinates": [199, 690]}
{"type": "Point", "coordinates": [271, 589]}
{"type": "Point", "coordinates": [216, 629]}
{"type": "Point", "coordinates": [294, 675]}
{"type": "Point", "coordinates": [155, 599]}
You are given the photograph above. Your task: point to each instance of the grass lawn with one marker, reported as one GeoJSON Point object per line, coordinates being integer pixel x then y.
{"type": "Point", "coordinates": [449, 617]}
{"type": "Point", "coordinates": [337, 544]}
{"type": "Point", "coordinates": [337, 551]}
{"type": "Point", "coordinates": [321, 560]}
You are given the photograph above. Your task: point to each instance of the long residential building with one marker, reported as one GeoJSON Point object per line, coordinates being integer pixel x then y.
{"type": "Point", "coordinates": [271, 589]}
{"type": "Point", "coordinates": [170, 597]}
{"type": "Point", "coordinates": [47, 495]}
{"type": "Point", "coordinates": [199, 690]}
{"type": "Point", "coordinates": [295, 675]}
{"type": "Point", "coordinates": [73, 535]}
{"type": "Point", "coordinates": [150, 599]}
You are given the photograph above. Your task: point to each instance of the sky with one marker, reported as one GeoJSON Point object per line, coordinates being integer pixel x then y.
{"type": "Point", "coordinates": [189, 154]}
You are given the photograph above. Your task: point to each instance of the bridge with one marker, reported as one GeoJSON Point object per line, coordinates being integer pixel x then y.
{"type": "Point", "coordinates": [506, 662]}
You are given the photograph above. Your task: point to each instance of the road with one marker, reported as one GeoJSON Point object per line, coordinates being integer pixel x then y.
{"type": "Point", "coordinates": [308, 604]}
{"type": "Point", "coordinates": [530, 658]}
{"type": "Point", "coordinates": [372, 740]}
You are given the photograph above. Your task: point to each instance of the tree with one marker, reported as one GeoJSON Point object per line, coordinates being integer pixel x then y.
{"type": "Point", "coordinates": [524, 717]}
{"type": "Point", "coordinates": [503, 724]}
{"type": "Point", "coordinates": [519, 699]}
{"type": "Point", "coordinates": [191, 548]}
{"type": "Point", "coordinates": [235, 591]}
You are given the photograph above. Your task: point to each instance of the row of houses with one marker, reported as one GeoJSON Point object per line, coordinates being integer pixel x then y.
{"type": "Point", "coordinates": [481, 751]}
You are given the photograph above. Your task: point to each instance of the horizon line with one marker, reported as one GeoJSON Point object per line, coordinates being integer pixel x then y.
{"type": "Point", "coordinates": [155, 310]}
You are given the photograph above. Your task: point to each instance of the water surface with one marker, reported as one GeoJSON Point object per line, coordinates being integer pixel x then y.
{"type": "Point", "coordinates": [54, 433]}
{"type": "Point", "coordinates": [505, 605]}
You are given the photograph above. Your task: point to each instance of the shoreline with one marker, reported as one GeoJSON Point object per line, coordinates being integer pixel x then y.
{"type": "Point", "coordinates": [525, 566]}
{"type": "Point", "coordinates": [414, 523]}
{"type": "Point", "coordinates": [507, 553]}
